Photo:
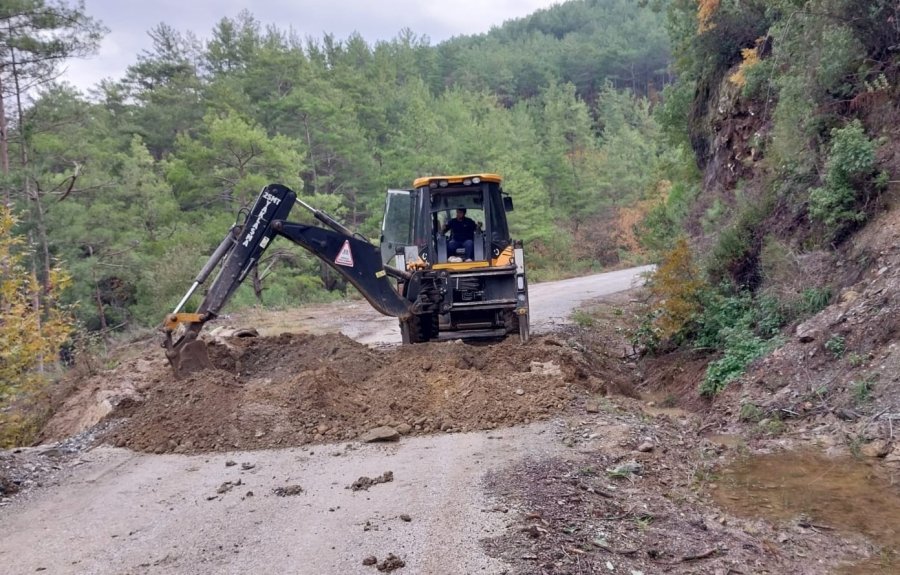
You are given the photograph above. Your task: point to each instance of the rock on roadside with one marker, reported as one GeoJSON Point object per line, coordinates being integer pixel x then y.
{"type": "Point", "coordinates": [383, 433]}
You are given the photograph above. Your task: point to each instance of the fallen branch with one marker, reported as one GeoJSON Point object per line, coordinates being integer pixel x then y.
{"type": "Point", "coordinates": [706, 426]}
{"type": "Point", "coordinates": [697, 556]}
{"type": "Point", "coordinates": [808, 525]}
{"type": "Point", "coordinates": [609, 549]}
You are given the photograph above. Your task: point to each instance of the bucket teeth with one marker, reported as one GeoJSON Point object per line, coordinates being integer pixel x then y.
{"type": "Point", "coordinates": [188, 357]}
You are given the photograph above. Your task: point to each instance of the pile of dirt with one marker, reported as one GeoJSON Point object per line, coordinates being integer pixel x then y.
{"type": "Point", "coordinates": [300, 388]}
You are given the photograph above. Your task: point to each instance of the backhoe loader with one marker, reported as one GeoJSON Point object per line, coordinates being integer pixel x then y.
{"type": "Point", "coordinates": [417, 274]}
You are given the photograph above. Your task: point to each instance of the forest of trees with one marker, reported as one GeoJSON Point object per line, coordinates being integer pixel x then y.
{"type": "Point", "coordinates": [131, 186]}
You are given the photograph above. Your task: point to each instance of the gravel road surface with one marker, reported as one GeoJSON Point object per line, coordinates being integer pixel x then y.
{"type": "Point", "coordinates": [550, 302]}
{"type": "Point", "coordinates": [123, 512]}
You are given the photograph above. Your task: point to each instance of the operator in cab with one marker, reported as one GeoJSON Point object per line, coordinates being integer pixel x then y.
{"type": "Point", "coordinates": [462, 234]}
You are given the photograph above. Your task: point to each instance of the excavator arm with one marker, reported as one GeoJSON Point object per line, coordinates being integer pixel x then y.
{"type": "Point", "coordinates": [351, 255]}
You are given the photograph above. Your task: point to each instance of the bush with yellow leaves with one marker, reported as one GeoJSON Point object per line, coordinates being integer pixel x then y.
{"type": "Point", "coordinates": [676, 288]}
{"type": "Point", "coordinates": [33, 326]}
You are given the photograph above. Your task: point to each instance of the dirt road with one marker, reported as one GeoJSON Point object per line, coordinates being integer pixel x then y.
{"type": "Point", "coordinates": [118, 511]}
{"type": "Point", "coordinates": [124, 512]}
{"type": "Point", "coordinates": [550, 302]}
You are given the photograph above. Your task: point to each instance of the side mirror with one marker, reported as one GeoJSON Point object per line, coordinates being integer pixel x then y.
{"type": "Point", "coordinates": [507, 203]}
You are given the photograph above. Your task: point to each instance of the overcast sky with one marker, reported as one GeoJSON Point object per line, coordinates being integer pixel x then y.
{"type": "Point", "coordinates": [129, 21]}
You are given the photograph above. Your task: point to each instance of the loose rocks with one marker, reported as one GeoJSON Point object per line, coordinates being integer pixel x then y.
{"type": "Point", "coordinates": [390, 563]}
{"type": "Point", "coordinates": [364, 483]}
{"type": "Point", "coordinates": [383, 433]}
{"type": "Point", "coordinates": [288, 491]}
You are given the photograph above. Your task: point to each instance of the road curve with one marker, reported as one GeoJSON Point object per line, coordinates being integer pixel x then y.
{"type": "Point", "coordinates": [550, 304]}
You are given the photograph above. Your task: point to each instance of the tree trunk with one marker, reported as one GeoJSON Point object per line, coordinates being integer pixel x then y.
{"type": "Point", "coordinates": [312, 159]}
{"type": "Point", "coordinates": [257, 284]}
{"type": "Point", "coordinates": [101, 313]}
{"type": "Point", "coordinates": [98, 296]}
{"type": "Point", "coordinates": [41, 226]}
{"type": "Point", "coordinates": [44, 276]}
{"type": "Point", "coordinates": [4, 139]}
{"type": "Point", "coordinates": [37, 307]}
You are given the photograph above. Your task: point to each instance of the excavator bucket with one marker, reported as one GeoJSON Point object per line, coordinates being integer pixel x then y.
{"type": "Point", "coordinates": [188, 356]}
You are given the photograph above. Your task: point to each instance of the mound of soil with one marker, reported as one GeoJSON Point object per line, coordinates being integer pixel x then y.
{"type": "Point", "coordinates": [299, 388]}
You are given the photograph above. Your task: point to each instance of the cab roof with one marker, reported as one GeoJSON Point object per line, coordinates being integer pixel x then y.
{"type": "Point", "coordinates": [427, 180]}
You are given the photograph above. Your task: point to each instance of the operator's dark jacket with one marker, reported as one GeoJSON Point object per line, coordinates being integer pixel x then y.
{"type": "Point", "coordinates": [462, 230]}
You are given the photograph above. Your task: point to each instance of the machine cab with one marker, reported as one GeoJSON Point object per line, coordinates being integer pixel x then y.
{"type": "Point", "coordinates": [418, 223]}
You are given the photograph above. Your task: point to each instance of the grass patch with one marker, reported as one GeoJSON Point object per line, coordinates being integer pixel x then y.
{"type": "Point", "coordinates": [862, 390]}
{"type": "Point", "coordinates": [836, 345]}
{"type": "Point", "coordinates": [583, 319]}
{"type": "Point", "coordinates": [814, 300]}
{"type": "Point", "coordinates": [751, 412]}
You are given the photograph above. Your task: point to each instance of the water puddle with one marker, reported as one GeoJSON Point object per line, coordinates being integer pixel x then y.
{"type": "Point", "coordinates": [843, 495]}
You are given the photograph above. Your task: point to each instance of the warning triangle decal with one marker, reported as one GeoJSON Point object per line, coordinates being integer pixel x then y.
{"type": "Point", "coordinates": [345, 256]}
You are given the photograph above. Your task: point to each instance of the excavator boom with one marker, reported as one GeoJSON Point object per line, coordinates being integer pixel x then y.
{"type": "Point", "coordinates": [351, 255]}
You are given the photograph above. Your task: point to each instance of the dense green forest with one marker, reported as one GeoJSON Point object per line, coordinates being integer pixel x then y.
{"type": "Point", "coordinates": [129, 188]}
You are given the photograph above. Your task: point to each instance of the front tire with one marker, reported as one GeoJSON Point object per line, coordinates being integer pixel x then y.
{"type": "Point", "coordinates": [516, 323]}
{"type": "Point", "coordinates": [419, 328]}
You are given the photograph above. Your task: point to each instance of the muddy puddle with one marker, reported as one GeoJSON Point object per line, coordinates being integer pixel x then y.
{"type": "Point", "coordinates": [811, 490]}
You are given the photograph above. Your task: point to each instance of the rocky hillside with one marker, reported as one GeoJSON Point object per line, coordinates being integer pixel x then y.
{"type": "Point", "coordinates": [783, 314]}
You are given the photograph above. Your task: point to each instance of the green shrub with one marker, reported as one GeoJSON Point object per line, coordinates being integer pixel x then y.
{"type": "Point", "coordinates": [758, 80]}
{"type": "Point", "coordinates": [742, 327]}
{"type": "Point", "coordinates": [732, 249]}
{"type": "Point", "coordinates": [814, 300]}
{"type": "Point", "coordinates": [862, 390]}
{"type": "Point", "coordinates": [648, 336]}
{"type": "Point", "coordinates": [751, 412]}
{"type": "Point", "coordinates": [771, 426]}
{"type": "Point", "coordinates": [712, 218]}
{"type": "Point", "coordinates": [836, 345]}
{"type": "Point", "coordinates": [582, 318]}
{"type": "Point", "coordinates": [793, 127]}
{"type": "Point", "coordinates": [769, 316]}
{"type": "Point", "coordinates": [663, 223]}
{"type": "Point", "coordinates": [735, 256]}
{"type": "Point", "coordinates": [856, 359]}
{"type": "Point", "coordinates": [742, 346]}
{"type": "Point", "coordinates": [849, 179]}
{"type": "Point", "coordinates": [721, 311]}
{"type": "Point", "coordinates": [724, 310]}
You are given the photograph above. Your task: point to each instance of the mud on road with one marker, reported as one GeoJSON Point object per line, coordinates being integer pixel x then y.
{"type": "Point", "coordinates": [295, 389]}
